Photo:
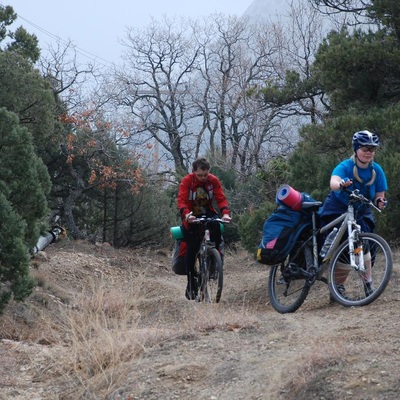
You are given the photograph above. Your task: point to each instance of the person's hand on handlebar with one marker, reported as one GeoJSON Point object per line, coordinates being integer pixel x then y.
{"type": "Point", "coordinates": [226, 218]}
{"type": "Point", "coordinates": [190, 218]}
{"type": "Point", "coordinates": [380, 202]}
{"type": "Point", "coordinates": [345, 182]}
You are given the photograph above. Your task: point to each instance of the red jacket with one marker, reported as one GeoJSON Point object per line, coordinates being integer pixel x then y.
{"type": "Point", "coordinates": [197, 197]}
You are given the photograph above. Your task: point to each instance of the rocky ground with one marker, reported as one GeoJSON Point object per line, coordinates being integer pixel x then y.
{"type": "Point", "coordinates": [114, 324]}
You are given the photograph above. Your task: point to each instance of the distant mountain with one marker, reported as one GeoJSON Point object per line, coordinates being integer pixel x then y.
{"type": "Point", "coordinates": [265, 10]}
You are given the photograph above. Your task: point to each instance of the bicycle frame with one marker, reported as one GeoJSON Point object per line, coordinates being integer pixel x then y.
{"type": "Point", "coordinates": [348, 223]}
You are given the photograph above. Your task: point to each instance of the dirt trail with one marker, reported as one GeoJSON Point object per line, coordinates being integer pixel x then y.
{"type": "Point", "coordinates": [238, 349]}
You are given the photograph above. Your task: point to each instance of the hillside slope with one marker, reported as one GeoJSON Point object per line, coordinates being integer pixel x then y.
{"type": "Point", "coordinates": [108, 324]}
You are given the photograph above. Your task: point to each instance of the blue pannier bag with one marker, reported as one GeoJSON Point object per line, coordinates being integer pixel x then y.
{"type": "Point", "coordinates": [280, 233]}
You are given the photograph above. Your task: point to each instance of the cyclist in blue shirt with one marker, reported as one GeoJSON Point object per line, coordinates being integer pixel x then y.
{"type": "Point", "coordinates": [360, 172]}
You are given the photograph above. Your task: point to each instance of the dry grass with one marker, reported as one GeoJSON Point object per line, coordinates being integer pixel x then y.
{"type": "Point", "coordinates": [106, 328]}
{"type": "Point", "coordinates": [98, 339]}
{"type": "Point", "coordinates": [100, 327]}
{"type": "Point", "coordinates": [309, 366]}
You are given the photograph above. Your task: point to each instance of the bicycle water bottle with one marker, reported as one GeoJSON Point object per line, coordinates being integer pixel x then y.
{"type": "Point", "coordinates": [327, 244]}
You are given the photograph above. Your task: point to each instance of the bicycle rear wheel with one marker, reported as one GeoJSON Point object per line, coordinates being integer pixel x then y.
{"type": "Point", "coordinates": [348, 285]}
{"type": "Point", "coordinates": [211, 277]}
{"type": "Point", "coordinates": [288, 286]}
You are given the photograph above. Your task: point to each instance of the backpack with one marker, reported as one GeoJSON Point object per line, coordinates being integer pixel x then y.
{"type": "Point", "coordinates": [179, 251]}
{"type": "Point", "coordinates": [280, 233]}
{"type": "Point", "coordinates": [178, 257]}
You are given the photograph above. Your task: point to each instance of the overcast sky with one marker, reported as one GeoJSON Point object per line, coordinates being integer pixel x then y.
{"type": "Point", "coordinates": [95, 26]}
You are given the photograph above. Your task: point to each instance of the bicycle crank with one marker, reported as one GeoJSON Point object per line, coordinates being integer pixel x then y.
{"type": "Point", "coordinates": [295, 272]}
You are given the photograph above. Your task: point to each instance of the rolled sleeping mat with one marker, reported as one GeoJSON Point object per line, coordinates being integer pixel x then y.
{"type": "Point", "coordinates": [176, 232]}
{"type": "Point", "coordinates": [289, 197]}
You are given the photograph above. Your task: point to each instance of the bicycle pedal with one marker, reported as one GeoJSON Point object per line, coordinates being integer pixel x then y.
{"type": "Point", "coordinates": [282, 281]}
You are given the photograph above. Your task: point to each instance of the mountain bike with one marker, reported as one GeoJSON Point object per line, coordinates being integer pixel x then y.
{"type": "Point", "coordinates": [209, 263]}
{"type": "Point", "coordinates": [359, 264]}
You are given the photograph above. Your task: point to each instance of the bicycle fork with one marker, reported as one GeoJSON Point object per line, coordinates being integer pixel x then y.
{"type": "Point", "coordinates": [356, 254]}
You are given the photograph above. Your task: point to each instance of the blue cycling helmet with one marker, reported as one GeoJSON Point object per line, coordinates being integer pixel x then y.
{"type": "Point", "coordinates": [365, 138]}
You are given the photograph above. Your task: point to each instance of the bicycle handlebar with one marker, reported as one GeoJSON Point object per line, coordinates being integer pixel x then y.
{"type": "Point", "coordinates": [200, 220]}
{"type": "Point", "coordinates": [355, 195]}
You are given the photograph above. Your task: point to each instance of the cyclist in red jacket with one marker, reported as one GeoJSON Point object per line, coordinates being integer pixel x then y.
{"type": "Point", "coordinates": [197, 191]}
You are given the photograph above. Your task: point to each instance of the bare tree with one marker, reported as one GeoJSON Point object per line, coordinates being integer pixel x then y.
{"type": "Point", "coordinates": [350, 12]}
{"type": "Point", "coordinates": [238, 58]}
{"type": "Point", "coordinates": [186, 84]}
{"type": "Point", "coordinates": [87, 145]}
{"type": "Point", "coordinates": [155, 83]}
{"type": "Point", "coordinates": [69, 79]}
{"type": "Point", "coordinates": [193, 86]}
{"type": "Point", "coordinates": [358, 7]}
{"type": "Point", "coordinates": [305, 31]}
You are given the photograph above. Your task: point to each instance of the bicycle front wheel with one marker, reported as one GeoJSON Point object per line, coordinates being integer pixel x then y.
{"type": "Point", "coordinates": [349, 285]}
{"type": "Point", "coordinates": [288, 285]}
{"type": "Point", "coordinates": [211, 276]}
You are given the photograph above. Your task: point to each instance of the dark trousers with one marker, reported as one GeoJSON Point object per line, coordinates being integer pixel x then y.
{"type": "Point", "coordinates": [193, 236]}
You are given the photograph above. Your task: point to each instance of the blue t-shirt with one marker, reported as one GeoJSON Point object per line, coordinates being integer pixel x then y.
{"type": "Point", "coordinates": [337, 201]}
